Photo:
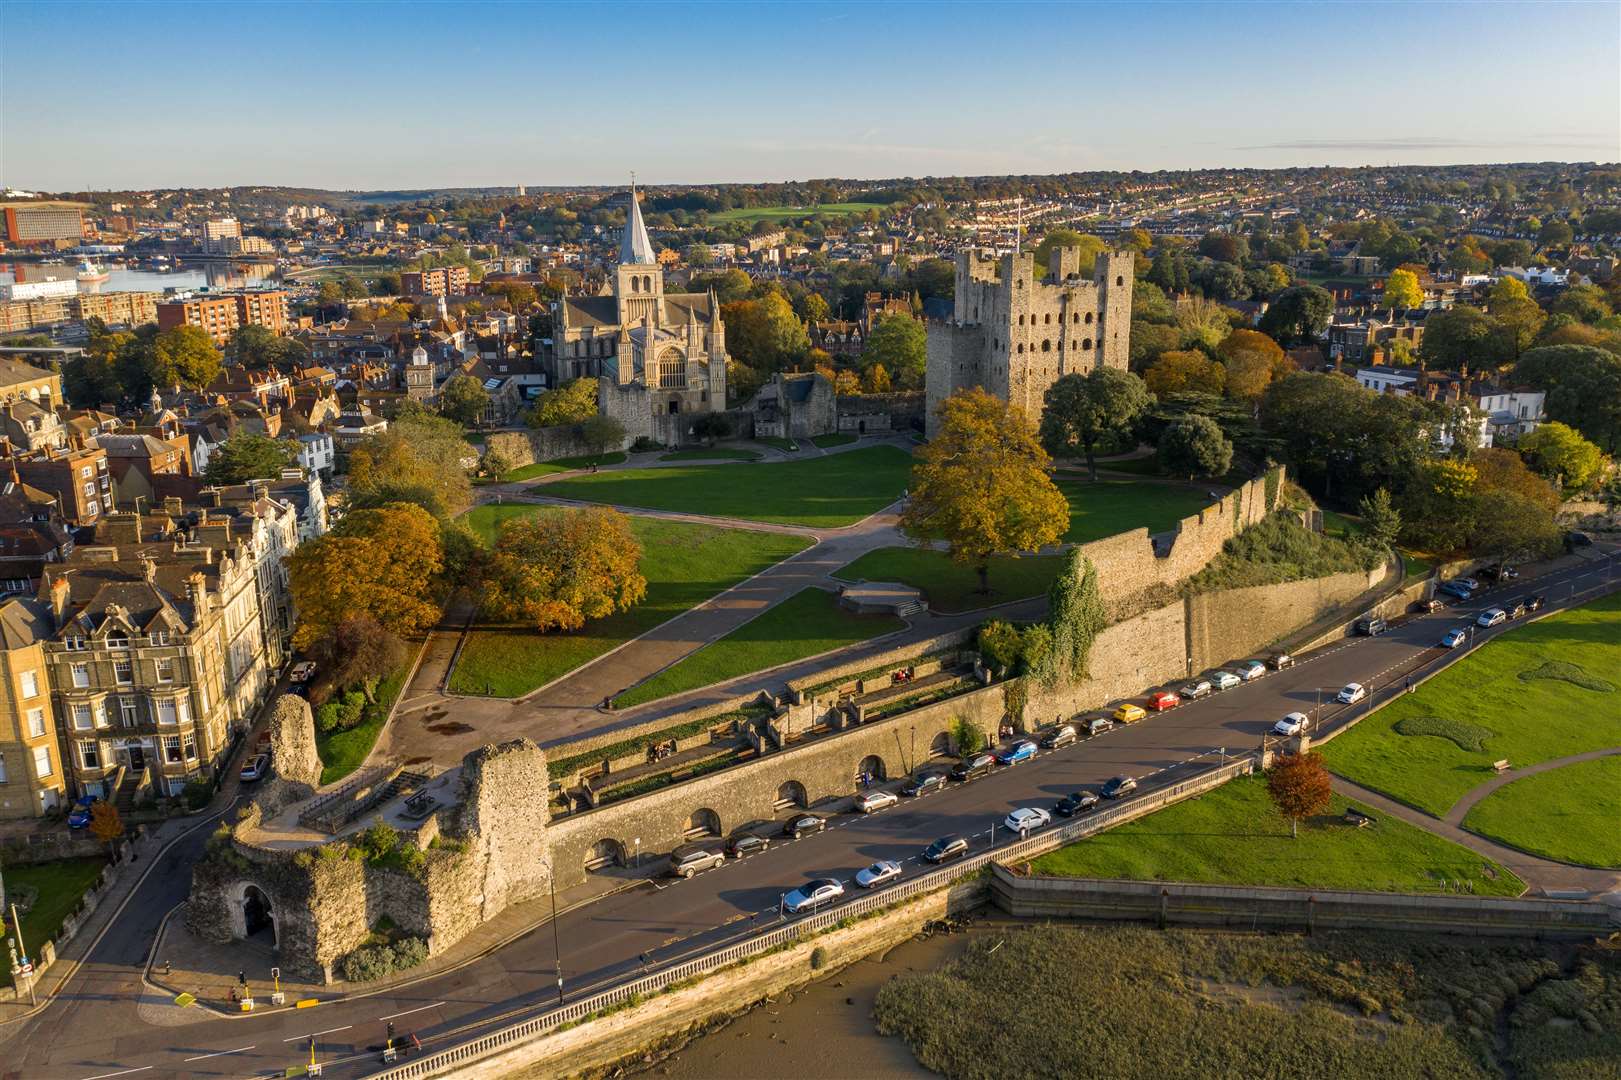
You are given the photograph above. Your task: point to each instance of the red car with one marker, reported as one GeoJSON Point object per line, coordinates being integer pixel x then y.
{"type": "Point", "coordinates": [1165, 699]}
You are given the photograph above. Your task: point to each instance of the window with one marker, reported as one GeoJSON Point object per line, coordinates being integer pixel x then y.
{"type": "Point", "coordinates": [42, 762]}
{"type": "Point", "coordinates": [81, 675]}
{"type": "Point", "coordinates": [2, 768]}
{"type": "Point", "coordinates": [81, 717]}
{"type": "Point", "coordinates": [124, 672]}
{"type": "Point", "coordinates": [128, 711]}
{"type": "Point", "coordinates": [90, 754]}
{"type": "Point", "coordinates": [90, 489]}
{"type": "Point", "coordinates": [85, 471]}
{"type": "Point", "coordinates": [160, 637]}
{"type": "Point", "coordinates": [191, 748]}
{"type": "Point", "coordinates": [75, 643]}
{"type": "Point", "coordinates": [165, 670]}
{"type": "Point", "coordinates": [1089, 318]}
{"type": "Point", "coordinates": [171, 749]}
{"type": "Point", "coordinates": [118, 640]}
{"type": "Point", "coordinates": [183, 710]}
{"type": "Point", "coordinates": [36, 723]}
{"type": "Point", "coordinates": [30, 683]}
{"type": "Point", "coordinates": [166, 713]}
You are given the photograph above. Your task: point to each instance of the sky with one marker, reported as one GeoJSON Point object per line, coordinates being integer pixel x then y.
{"type": "Point", "coordinates": [419, 95]}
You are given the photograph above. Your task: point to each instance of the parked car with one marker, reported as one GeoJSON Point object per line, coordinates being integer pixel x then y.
{"type": "Point", "coordinates": [1098, 725]}
{"type": "Point", "coordinates": [255, 769]}
{"type": "Point", "coordinates": [869, 802]}
{"type": "Point", "coordinates": [1062, 735]}
{"type": "Point", "coordinates": [1249, 670]}
{"type": "Point", "coordinates": [79, 816]}
{"type": "Point", "coordinates": [1455, 589]}
{"type": "Point", "coordinates": [687, 861]}
{"type": "Point", "coordinates": [879, 873]}
{"type": "Point", "coordinates": [804, 825]}
{"type": "Point", "coordinates": [1453, 638]}
{"type": "Point", "coordinates": [743, 845]}
{"type": "Point", "coordinates": [1534, 603]}
{"type": "Point", "coordinates": [1161, 700]}
{"type": "Point", "coordinates": [1351, 693]}
{"type": "Point", "coordinates": [1279, 661]}
{"type": "Point", "coordinates": [1494, 616]}
{"type": "Point", "coordinates": [1430, 606]}
{"type": "Point", "coordinates": [1023, 750]}
{"type": "Point", "coordinates": [1027, 819]}
{"type": "Point", "coordinates": [1516, 609]}
{"type": "Point", "coordinates": [1292, 724]}
{"type": "Point", "coordinates": [947, 847]}
{"type": "Point", "coordinates": [1499, 573]}
{"type": "Point", "coordinates": [1472, 584]}
{"type": "Point", "coordinates": [974, 767]}
{"type": "Point", "coordinates": [1119, 787]}
{"type": "Point", "coordinates": [818, 892]}
{"type": "Point", "coordinates": [1196, 690]}
{"type": "Point", "coordinates": [1575, 539]}
{"type": "Point", "coordinates": [302, 672]}
{"type": "Point", "coordinates": [1076, 802]}
{"type": "Point", "coordinates": [1371, 626]}
{"type": "Point", "coordinates": [922, 784]}
{"type": "Point", "coordinates": [1224, 680]}
{"type": "Point", "coordinates": [1128, 713]}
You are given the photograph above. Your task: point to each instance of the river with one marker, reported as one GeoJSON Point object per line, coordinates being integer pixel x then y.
{"type": "Point", "coordinates": [215, 274]}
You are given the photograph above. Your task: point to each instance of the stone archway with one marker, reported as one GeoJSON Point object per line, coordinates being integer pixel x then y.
{"type": "Point", "coordinates": [940, 745]}
{"type": "Point", "coordinates": [605, 853]}
{"type": "Point", "coordinates": [704, 822]}
{"type": "Point", "coordinates": [873, 766]}
{"type": "Point", "coordinates": [253, 913]}
{"type": "Point", "coordinates": [790, 793]}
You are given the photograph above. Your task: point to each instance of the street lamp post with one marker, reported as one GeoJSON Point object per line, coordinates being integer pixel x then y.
{"type": "Point", "coordinates": [557, 948]}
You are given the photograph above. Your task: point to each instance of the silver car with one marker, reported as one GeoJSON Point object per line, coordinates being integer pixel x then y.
{"type": "Point", "coordinates": [879, 873]}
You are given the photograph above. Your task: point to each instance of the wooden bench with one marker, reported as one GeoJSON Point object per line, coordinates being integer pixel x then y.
{"type": "Point", "coordinates": [1500, 766]}
{"type": "Point", "coordinates": [1356, 817]}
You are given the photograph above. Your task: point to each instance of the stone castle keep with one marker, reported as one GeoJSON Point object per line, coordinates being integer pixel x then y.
{"type": "Point", "coordinates": [1015, 336]}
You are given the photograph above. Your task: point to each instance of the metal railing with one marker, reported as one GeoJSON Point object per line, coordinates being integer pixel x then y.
{"type": "Point", "coordinates": [725, 955]}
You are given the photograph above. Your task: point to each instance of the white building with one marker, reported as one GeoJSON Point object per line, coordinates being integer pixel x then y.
{"type": "Point", "coordinates": [316, 452]}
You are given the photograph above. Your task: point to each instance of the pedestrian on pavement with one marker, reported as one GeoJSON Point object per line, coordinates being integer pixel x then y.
{"type": "Point", "coordinates": [1409, 684]}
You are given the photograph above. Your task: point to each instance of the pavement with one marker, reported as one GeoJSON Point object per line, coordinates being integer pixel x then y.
{"type": "Point", "coordinates": [94, 1030]}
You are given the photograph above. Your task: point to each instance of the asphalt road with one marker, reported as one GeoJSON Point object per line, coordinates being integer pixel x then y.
{"type": "Point", "coordinates": [92, 1031]}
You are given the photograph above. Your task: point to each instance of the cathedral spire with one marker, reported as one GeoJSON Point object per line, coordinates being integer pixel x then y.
{"type": "Point", "coordinates": [635, 246]}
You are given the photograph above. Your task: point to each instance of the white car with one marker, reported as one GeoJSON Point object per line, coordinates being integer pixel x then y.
{"type": "Point", "coordinates": [1453, 638]}
{"type": "Point", "coordinates": [1225, 680]}
{"type": "Point", "coordinates": [1352, 693]}
{"type": "Point", "coordinates": [1293, 724]}
{"type": "Point", "coordinates": [869, 802]}
{"type": "Point", "coordinates": [879, 873]}
{"type": "Point", "coordinates": [1492, 617]}
{"type": "Point", "coordinates": [812, 895]}
{"type": "Point", "coordinates": [1028, 819]}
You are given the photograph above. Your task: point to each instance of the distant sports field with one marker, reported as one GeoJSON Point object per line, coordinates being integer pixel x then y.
{"type": "Point", "coordinates": [786, 213]}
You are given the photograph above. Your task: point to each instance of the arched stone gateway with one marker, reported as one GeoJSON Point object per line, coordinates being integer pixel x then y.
{"type": "Point", "coordinates": [703, 823]}
{"type": "Point", "coordinates": [253, 912]}
{"type": "Point", "coordinates": [791, 793]}
{"type": "Point", "coordinates": [872, 766]}
{"type": "Point", "coordinates": [940, 745]}
{"type": "Point", "coordinates": [604, 854]}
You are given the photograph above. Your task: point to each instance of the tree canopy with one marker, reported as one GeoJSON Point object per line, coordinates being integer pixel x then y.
{"type": "Point", "coordinates": [1084, 410]}
{"type": "Point", "coordinates": [383, 563]}
{"type": "Point", "coordinates": [570, 403]}
{"type": "Point", "coordinates": [463, 399]}
{"type": "Point", "coordinates": [420, 459]}
{"type": "Point", "coordinates": [555, 570]}
{"type": "Point", "coordinates": [900, 344]}
{"type": "Point", "coordinates": [249, 457]}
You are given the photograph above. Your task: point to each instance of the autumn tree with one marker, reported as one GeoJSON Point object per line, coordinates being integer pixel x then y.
{"type": "Point", "coordinates": [1300, 787]}
{"type": "Point", "coordinates": [1084, 410]}
{"type": "Point", "coordinates": [555, 570]}
{"type": "Point", "coordinates": [249, 457]}
{"type": "Point", "coordinates": [876, 380]}
{"type": "Point", "coordinates": [900, 344]}
{"type": "Point", "coordinates": [421, 458]}
{"type": "Point", "coordinates": [1403, 291]}
{"type": "Point", "coordinates": [813, 308]}
{"type": "Point", "coordinates": [1559, 452]}
{"type": "Point", "coordinates": [1193, 447]}
{"type": "Point", "coordinates": [1091, 247]}
{"type": "Point", "coordinates": [105, 823]}
{"type": "Point", "coordinates": [1252, 360]}
{"type": "Point", "coordinates": [765, 333]}
{"type": "Point", "coordinates": [463, 399]}
{"type": "Point", "coordinates": [981, 484]}
{"type": "Point", "coordinates": [572, 403]}
{"type": "Point", "coordinates": [357, 651]}
{"type": "Point", "coordinates": [1185, 369]}
{"type": "Point", "coordinates": [383, 563]}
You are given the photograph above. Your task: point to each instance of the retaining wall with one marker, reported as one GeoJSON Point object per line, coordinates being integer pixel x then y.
{"type": "Point", "coordinates": [1237, 622]}
{"type": "Point", "coordinates": [526, 447]}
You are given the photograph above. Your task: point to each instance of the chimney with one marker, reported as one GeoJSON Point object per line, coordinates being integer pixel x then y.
{"type": "Point", "coordinates": [59, 594]}
{"type": "Point", "coordinates": [197, 594]}
{"type": "Point", "coordinates": [173, 506]}
{"type": "Point", "coordinates": [149, 566]}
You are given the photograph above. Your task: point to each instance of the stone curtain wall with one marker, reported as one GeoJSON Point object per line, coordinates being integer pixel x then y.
{"type": "Point", "coordinates": [1223, 625]}
{"type": "Point", "coordinates": [522, 448]}
{"type": "Point", "coordinates": [503, 816]}
{"type": "Point", "coordinates": [877, 413]}
{"type": "Point", "coordinates": [295, 765]}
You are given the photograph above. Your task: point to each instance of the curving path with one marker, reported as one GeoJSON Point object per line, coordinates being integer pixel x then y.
{"type": "Point", "coordinates": [1461, 808]}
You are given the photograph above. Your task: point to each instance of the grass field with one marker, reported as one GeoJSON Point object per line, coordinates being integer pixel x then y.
{"type": "Point", "coordinates": [342, 752]}
{"type": "Point", "coordinates": [823, 492]}
{"type": "Point", "coordinates": [1568, 814]}
{"type": "Point", "coordinates": [1233, 836]}
{"type": "Point", "coordinates": [1529, 719]}
{"type": "Point", "coordinates": [1141, 466]}
{"type": "Point", "coordinates": [684, 565]}
{"type": "Point", "coordinates": [1116, 506]}
{"type": "Point", "coordinates": [794, 213]}
{"type": "Point", "coordinates": [787, 446]}
{"type": "Point", "coordinates": [711, 455]}
{"type": "Point", "coordinates": [547, 468]}
{"type": "Point", "coordinates": [825, 442]}
{"type": "Point", "coordinates": [59, 886]}
{"type": "Point", "coordinates": [951, 587]}
{"type": "Point", "coordinates": [807, 623]}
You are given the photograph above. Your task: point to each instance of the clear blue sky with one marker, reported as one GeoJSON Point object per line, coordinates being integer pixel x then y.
{"type": "Point", "coordinates": [382, 95]}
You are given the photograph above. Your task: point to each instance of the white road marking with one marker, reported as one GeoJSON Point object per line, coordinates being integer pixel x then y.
{"type": "Point", "coordinates": [220, 1053]}
{"type": "Point", "coordinates": [124, 1072]}
{"type": "Point", "coordinates": [313, 1034]}
{"type": "Point", "coordinates": [408, 1012]}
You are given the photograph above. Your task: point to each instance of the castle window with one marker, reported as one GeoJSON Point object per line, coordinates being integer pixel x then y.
{"type": "Point", "coordinates": [1046, 345]}
{"type": "Point", "coordinates": [1087, 343]}
{"type": "Point", "coordinates": [1021, 320]}
{"type": "Point", "coordinates": [1120, 280]}
{"type": "Point", "coordinates": [1047, 318]}
{"type": "Point", "coordinates": [1089, 318]}
{"type": "Point", "coordinates": [1021, 346]}
{"type": "Point", "coordinates": [1060, 345]}
{"type": "Point", "coordinates": [635, 284]}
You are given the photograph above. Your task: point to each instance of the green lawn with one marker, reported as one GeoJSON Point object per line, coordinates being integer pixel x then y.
{"type": "Point", "coordinates": [684, 565]}
{"type": "Point", "coordinates": [1116, 506]}
{"type": "Point", "coordinates": [807, 623]}
{"type": "Point", "coordinates": [567, 464]}
{"type": "Point", "coordinates": [342, 752]}
{"type": "Point", "coordinates": [1513, 689]}
{"type": "Point", "coordinates": [823, 492]}
{"type": "Point", "coordinates": [949, 586]}
{"type": "Point", "coordinates": [1233, 836]}
{"type": "Point", "coordinates": [1567, 813]}
{"type": "Point", "coordinates": [1141, 466]}
{"type": "Point", "coordinates": [712, 455]}
{"type": "Point", "coordinates": [825, 442]}
{"type": "Point", "coordinates": [787, 446]}
{"type": "Point", "coordinates": [794, 213]}
{"type": "Point", "coordinates": [59, 884]}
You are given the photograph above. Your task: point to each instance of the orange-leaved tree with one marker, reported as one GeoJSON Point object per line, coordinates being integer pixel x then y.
{"type": "Point", "coordinates": [556, 570]}
{"type": "Point", "coordinates": [1299, 785]}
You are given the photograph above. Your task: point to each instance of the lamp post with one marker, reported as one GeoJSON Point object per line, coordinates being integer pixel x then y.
{"type": "Point", "coordinates": [557, 949]}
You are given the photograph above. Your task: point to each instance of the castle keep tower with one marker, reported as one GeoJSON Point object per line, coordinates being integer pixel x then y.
{"type": "Point", "coordinates": [1016, 336]}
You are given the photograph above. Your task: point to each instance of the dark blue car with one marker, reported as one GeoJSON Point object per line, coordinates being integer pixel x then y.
{"type": "Point", "coordinates": [79, 816]}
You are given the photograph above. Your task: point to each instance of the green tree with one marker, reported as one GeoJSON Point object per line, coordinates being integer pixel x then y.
{"type": "Point", "coordinates": [1555, 234]}
{"type": "Point", "coordinates": [572, 403]}
{"type": "Point", "coordinates": [1402, 290]}
{"type": "Point", "coordinates": [1084, 410]}
{"type": "Point", "coordinates": [92, 378]}
{"type": "Point", "coordinates": [813, 308]}
{"type": "Point", "coordinates": [981, 484]}
{"type": "Point", "coordinates": [1463, 336]}
{"type": "Point", "coordinates": [1195, 447]}
{"type": "Point", "coordinates": [765, 333]}
{"type": "Point", "coordinates": [463, 399]}
{"type": "Point", "coordinates": [1521, 320]}
{"type": "Point", "coordinates": [1583, 384]}
{"type": "Point", "coordinates": [602, 434]}
{"type": "Point", "coordinates": [1299, 313]}
{"type": "Point", "coordinates": [699, 255]}
{"type": "Point", "coordinates": [1380, 517]}
{"type": "Point", "coordinates": [1584, 303]}
{"type": "Point", "coordinates": [420, 459]}
{"type": "Point", "coordinates": [1559, 452]}
{"type": "Point", "coordinates": [1000, 645]}
{"type": "Point", "coordinates": [183, 356]}
{"type": "Point", "coordinates": [249, 457]}
{"type": "Point", "coordinates": [257, 347]}
{"type": "Point", "coordinates": [1505, 289]}
{"type": "Point", "coordinates": [1091, 247]}
{"type": "Point", "coordinates": [900, 344]}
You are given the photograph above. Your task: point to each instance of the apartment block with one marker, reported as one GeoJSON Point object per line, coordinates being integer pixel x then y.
{"type": "Point", "coordinates": [32, 780]}
{"type": "Point", "coordinates": [440, 281]}
{"type": "Point", "coordinates": [45, 224]}
{"type": "Point", "coordinates": [220, 314]}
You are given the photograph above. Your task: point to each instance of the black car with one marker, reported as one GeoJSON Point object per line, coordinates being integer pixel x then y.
{"type": "Point", "coordinates": [1076, 802]}
{"type": "Point", "coordinates": [1575, 539]}
{"type": "Point", "coordinates": [1119, 787]}
{"type": "Point", "coordinates": [947, 847]}
{"type": "Point", "coordinates": [1516, 609]}
{"type": "Point", "coordinates": [746, 844]}
{"type": "Point", "coordinates": [804, 825]}
{"type": "Point", "coordinates": [1062, 735]}
{"type": "Point", "coordinates": [918, 785]}
{"type": "Point", "coordinates": [1534, 603]}
{"type": "Point", "coordinates": [1431, 605]}
{"type": "Point", "coordinates": [1371, 626]}
{"type": "Point", "coordinates": [976, 766]}
{"type": "Point", "coordinates": [1279, 661]}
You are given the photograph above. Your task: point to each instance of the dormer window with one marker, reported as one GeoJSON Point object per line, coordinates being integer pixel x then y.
{"type": "Point", "coordinates": [118, 641]}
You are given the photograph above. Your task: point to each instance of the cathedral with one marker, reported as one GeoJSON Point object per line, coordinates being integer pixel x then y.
{"type": "Point", "coordinates": [659, 358]}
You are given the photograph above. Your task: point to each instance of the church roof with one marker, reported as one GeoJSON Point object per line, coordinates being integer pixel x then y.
{"type": "Point", "coordinates": [599, 311]}
{"type": "Point", "coordinates": [635, 246]}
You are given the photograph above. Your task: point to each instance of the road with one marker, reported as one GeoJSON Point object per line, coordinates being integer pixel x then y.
{"type": "Point", "coordinates": [93, 1032]}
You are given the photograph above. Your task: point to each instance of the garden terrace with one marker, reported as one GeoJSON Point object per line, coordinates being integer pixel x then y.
{"type": "Point", "coordinates": [627, 753]}
{"type": "Point", "coordinates": [605, 787]}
